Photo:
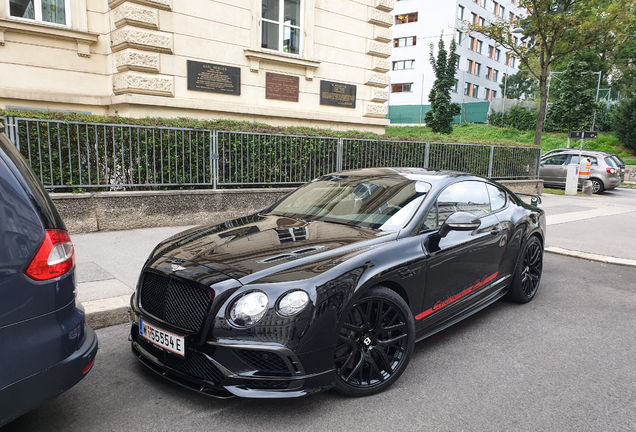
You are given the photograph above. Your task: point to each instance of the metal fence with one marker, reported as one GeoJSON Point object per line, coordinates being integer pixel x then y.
{"type": "Point", "coordinates": [87, 155]}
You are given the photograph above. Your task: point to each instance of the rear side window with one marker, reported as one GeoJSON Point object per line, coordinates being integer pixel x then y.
{"type": "Point", "coordinates": [576, 159]}
{"type": "Point", "coordinates": [610, 162]}
{"type": "Point", "coordinates": [497, 197]}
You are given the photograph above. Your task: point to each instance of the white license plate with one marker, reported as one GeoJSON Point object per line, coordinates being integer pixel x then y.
{"type": "Point", "coordinates": [161, 338]}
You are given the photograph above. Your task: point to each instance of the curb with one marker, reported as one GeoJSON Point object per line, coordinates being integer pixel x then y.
{"type": "Point", "coordinates": [107, 312]}
{"type": "Point", "coordinates": [591, 256]}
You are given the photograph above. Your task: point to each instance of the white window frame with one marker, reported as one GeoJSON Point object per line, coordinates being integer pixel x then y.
{"type": "Point", "coordinates": [37, 5]}
{"type": "Point", "coordinates": [403, 63]}
{"type": "Point", "coordinates": [281, 27]}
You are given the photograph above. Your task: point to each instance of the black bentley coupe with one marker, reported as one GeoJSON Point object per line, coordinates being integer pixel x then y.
{"type": "Point", "coordinates": [331, 286]}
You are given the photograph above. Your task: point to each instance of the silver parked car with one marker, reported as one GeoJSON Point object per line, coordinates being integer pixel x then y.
{"type": "Point", "coordinates": [604, 174]}
{"type": "Point", "coordinates": [619, 162]}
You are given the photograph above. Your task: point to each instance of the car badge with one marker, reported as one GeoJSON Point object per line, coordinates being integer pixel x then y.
{"type": "Point", "coordinates": [176, 267]}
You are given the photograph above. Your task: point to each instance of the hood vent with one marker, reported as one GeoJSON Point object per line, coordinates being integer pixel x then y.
{"type": "Point", "coordinates": [290, 256]}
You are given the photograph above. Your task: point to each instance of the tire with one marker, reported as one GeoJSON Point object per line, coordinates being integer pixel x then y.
{"type": "Point", "coordinates": [597, 186]}
{"type": "Point", "coordinates": [375, 343]}
{"type": "Point", "coordinates": [527, 277]}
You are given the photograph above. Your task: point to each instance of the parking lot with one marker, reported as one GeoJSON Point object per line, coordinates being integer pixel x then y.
{"type": "Point", "coordinates": [563, 362]}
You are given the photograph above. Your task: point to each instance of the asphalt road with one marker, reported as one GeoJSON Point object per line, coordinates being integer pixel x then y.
{"type": "Point", "coordinates": [564, 362]}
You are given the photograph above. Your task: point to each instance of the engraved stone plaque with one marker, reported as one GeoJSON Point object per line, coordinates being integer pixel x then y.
{"type": "Point", "coordinates": [337, 94]}
{"type": "Point", "coordinates": [214, 78]}
{"type": "Point", "coordinates": [281, 87]}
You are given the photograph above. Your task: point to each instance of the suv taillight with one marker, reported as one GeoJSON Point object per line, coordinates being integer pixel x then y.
{"type": "Point", "coordinates": [55, 257]}
{"type": "Point", "coordinates": [611, 170]}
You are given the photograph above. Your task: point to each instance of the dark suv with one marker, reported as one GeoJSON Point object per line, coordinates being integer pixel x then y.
{"type": "Point", "coordinates": [45, 345]}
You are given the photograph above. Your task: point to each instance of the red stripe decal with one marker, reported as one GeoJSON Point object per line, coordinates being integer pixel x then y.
{"type": "Point", "coordinates": [441, 304]}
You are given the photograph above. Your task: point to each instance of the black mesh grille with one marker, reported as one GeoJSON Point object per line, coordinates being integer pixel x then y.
{"type": "Point", "coordinates": [263, 361]}
{"type": "Point", "coordinates": [175, 302]}
{"type": "Point", "coordinates": [267, 385]}
{"type": "Point", "coordinates": [196, 364]}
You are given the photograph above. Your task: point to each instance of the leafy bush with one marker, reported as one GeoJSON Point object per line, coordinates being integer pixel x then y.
{"type": "Point", "coordinates": [624, 123]}
{"type": "Point", "coordinates": [517, 117]}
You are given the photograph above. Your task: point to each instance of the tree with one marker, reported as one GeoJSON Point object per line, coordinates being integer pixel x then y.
{"type": "Point", "coordinates": [519, 86]}
{"type": "Point", "coordinates": [553, 29]}
{"type": "Point", "coordinates": [440, 117]}
{"type": "Point", "coordinates": [576, 99]}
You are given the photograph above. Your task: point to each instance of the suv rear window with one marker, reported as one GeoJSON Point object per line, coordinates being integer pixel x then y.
{"type": "Point", "coordinates": [610, 161]}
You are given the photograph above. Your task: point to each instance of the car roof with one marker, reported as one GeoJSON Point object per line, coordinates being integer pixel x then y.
{"type": "Point", "coordinates": [576, 151]}
{"type": "Point", "coordinates": [431, 176]}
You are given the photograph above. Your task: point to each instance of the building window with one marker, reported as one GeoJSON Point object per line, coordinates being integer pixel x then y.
{"type": "Point", "coordinates": [494, 94]}
{"type": "Point", "coordinates": [475, 91]}
{"type": "Point", "coordinates": [406, 18]}
{"type": "Point", "coordinates": [403, 64]}
{"type": "Point", "coordinates": [458, 59]}
{"type": "Point", "coordinates": [467, 88]}
{"type": "Point", "coordinates": [502, 12]}
{"type": "Point", "coordinates": [455, 87]}
{"type": "Point", "coordinates": [491, 51]}
{"type": "Point", "coordinates": [482, 21]}
{"type": "Point", "coordinates": [460, 36]}
{"type": "Point", "coordinates": [48, 11]}
{"type": "Point", "coordinates": [477, 70]}
{"type": "Point", "coordinates": [474, 18]}
{"type": "Point", "coordinates": [460, 13]}
{"type": "Point", "coordinates": [281, 25]}
{"type": "Point", "coordinates": [478, 46]}
{"type": "Point", "coordinates": [497, 54]}
{"type": "Point", "coordinates": [405, 41]}
{"type": "Point", "coordinates": [489, 73]}
{"type": "Point", "coordinates": [400, 88]}
{"type": "Point", "coordinates": [487, 94]}
{"type": "Point", "coordinates": [495, 74]}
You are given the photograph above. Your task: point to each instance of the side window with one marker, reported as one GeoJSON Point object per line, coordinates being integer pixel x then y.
{"type": "Point", "coordinates": [555, 160]}
{"type": "Point", "coordinates": [576, 159]}
{"type": "Point", "coordinates": [497, 197]}
{"type": "Point", "coordinates": [467, 196]}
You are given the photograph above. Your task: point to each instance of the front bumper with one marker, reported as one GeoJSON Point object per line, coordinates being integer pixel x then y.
{"type": "Point", "coordinates": [228, 368]}
{"type": "Point", "coordinates": [29, 393]}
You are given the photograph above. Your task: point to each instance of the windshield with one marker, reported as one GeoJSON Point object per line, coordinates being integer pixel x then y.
{"type": "Point", "coordinates": [385, 203]}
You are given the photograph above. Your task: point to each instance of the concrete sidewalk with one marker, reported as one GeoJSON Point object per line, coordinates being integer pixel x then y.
{"type": "Point", "coordinates": [600, 228]}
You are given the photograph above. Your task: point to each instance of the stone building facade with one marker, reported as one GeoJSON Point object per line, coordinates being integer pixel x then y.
{"type": "Point", "coordinates": [319, 63]}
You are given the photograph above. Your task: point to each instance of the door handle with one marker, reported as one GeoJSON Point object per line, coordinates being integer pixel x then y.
{"type": "Point", "coordinates": [496, 230]}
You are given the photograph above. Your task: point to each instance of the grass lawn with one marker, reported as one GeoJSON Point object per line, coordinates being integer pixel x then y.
{"type": "Point", "coordinates": [486, 134]}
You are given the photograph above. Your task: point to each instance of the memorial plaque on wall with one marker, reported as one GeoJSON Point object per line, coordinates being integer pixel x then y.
{"type": "Point", "coordinates": [337, 94]}
{"type": "Point", "coordinates": [214, 78]}
{"type": "Point", "coordinates": [281, 87]}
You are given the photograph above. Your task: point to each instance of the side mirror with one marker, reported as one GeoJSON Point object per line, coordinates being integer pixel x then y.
{"type": "Point", "coordinates": [460, 221]}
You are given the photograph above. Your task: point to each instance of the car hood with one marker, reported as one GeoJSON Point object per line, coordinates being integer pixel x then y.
{"type": "Point", "coordinates": [261, 248]}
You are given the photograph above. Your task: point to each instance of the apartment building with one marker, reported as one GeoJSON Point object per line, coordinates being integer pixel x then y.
{"type": "Point", "coordinates": [319, 63]}
{"type": "Point", "coordinates": [482, 66]}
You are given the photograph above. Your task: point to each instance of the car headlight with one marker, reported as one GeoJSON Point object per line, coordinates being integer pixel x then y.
{"type": "Point", "coordinates": [249, 309]}
{"type": "Point", "coordinates": [292, 303]}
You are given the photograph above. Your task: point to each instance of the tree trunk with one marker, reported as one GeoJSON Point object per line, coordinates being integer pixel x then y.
{"type": "Point", "coordinates": [543, 92]}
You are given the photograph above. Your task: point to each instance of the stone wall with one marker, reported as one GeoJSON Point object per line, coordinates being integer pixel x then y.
{"type": "Point", "coordinates": [630, 173]}
{"type": "Point", "coordinates": [112, 211]}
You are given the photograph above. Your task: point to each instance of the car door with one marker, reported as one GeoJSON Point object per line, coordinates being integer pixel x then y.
{"type": "Point", "coordinates": [554, 169]}
{"type": "Point", "coordinates": [463, 262]}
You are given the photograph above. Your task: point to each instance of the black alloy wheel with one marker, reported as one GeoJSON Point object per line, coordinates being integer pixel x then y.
{"type": "Point", "coordinates": [375, 343]}
{"type": "Point", "coordinates": [527, 275]}
{"type": "Point", "coordinates": [597, 186]}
